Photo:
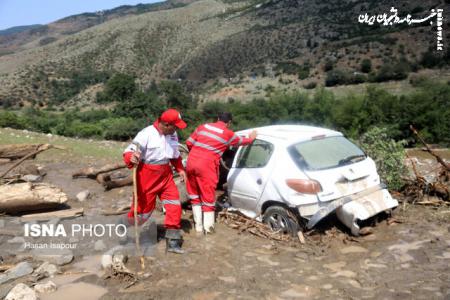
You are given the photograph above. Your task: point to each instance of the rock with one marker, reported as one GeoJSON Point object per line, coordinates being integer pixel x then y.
{"type": "Point", "coordinates": [21, 292]}
{"type": "Point", "coordinates": [119, 258]}
{"type": "Point", "coordinates": [2, 223]}
{"type": "Point", "coordinates": [73, 240]}
{"type": "Point", "coordinates": [20, 270]}
{"type": "Point", "coordinates": [83, 195]}
{"type": "Point", "coordinates": [49, 135]}
{"type": "Point", "coordinates": [65, 257]}
{"type": "Point", "coordinates": [228, 279]}
{"type": "Point", "coordinates": [31, 178]}
{"type": "Point", "coordinates": [47, 287]}
{"type": "Point", "coordinates": [47, 269]}
{"type": "Point", "coordinates": [99, 245]}
{"type": "Point", "coordinates": [353, 249]}
{"type": "Point", "coordinates": [107, 258]}
{"type": "Point", "coordinates": [16, 240]}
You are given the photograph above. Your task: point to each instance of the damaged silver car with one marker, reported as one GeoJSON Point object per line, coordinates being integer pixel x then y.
{"type": "Point", "coordinates": [294, 172]}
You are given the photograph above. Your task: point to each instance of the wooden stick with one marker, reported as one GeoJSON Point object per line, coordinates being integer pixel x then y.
{"type": "Point", "coordinates": [60, 214]}
{"type": "Point", "coordinates": [136, 226]}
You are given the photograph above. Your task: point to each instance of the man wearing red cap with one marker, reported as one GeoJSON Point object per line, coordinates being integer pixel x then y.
{"type": "Point", "coordinates": [151, 151]}
{"type": "Point", "coordinates": [207, 144]}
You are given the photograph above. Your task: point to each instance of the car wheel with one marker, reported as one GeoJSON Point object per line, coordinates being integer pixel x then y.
{"type": "Point", "coordinates": [280, 220]}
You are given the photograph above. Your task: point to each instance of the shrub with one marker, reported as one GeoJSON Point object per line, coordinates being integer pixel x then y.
{"type": "Point", "coordinates": [311, 85]}
{"type": "Point", "coordinates": [10, 119]}
{"type": "Point", "coordinates": [366, 65]}
{"type": "Point", "coordinates": [336, 77]}
{"type": "Point", "coordinates": [388, 155]}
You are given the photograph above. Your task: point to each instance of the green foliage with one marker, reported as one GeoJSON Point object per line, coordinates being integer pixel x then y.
{"type": "Point", "coordinates": [388, 155]}
{"type": "Point", "coordinates": [119, 88]}
{"type": "Point", "coordinates": [366, 65]}
{"type": "Point", "coordinates": [336, 77]}
{"type": "Point", "coordinates": [393, 71]}
{"type": "Point", "coordinates": [75, 82]}
{"type": "Point", "coordinates": [10, 119]}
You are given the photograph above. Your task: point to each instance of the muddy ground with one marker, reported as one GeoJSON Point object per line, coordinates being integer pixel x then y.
{"type": "Point", "coordinates": [408, 259]}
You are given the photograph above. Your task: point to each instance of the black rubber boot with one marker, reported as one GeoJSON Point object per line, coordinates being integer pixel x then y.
{"type": "Point", "coordinates": [173, 241]}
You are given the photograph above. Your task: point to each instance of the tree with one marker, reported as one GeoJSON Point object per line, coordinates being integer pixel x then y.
{"type": "Point", "coordinates": [366, 65]}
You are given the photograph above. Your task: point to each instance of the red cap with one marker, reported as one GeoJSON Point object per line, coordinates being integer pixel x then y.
{"type": "Point", "coordinates": [172, 116]}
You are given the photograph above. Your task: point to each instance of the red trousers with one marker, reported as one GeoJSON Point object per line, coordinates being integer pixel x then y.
{"type": "Point", "coordinates": [153, 181]}
{"type": "Point", "coordinates": [203, 175]}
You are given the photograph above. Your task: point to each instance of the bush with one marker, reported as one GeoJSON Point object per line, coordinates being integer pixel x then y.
{"type": "Point", "coordinates": [120, 128]}
{"type": "Point", "coordinates": [10, 119]}
{"type": "Point", "coordinates": [336, 77]}
{"type": "Point", "coordinates": [366, 65]}
{"type": "Point", "coordinates": [388, 155]}
{"type": "Point", "coordinates": [311, 85]}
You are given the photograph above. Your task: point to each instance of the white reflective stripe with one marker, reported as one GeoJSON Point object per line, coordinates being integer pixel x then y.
{"type": "Point", "coordinates": [208, 204]}
{"type": "Point", "coordinates": [213, 136]}
{"type": "Point", "coordinates": [190, 140]}
{"type": "Point", "coordinates": [145, 216]}
{"type": "Point", "coordinates": [174, 202]}
{"type": "Point", "coordinates": [240, 140]}
{"type": "Point", "coordinates": [201, 145]}
{"type": "Point", "coordinates": [213, 128]}
{"type": "Point", "coordinates": [155, 162]}
{"type": "Point", "coordinates": [193, 196]}
{"type": "Point", "coordinates": [196, 204]}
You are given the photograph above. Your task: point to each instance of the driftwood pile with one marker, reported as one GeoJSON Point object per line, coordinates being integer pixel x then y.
{"type": "Point", "coordinates": [111, 176]}
{"type": "Point", "coordinates": [17, 196]}
{"type": "Point", "coordinates": [107, 175]}
{"type": "Point", "coordinates": [236, 220]}
{"type": "Point", "coordinates": [419, 187]}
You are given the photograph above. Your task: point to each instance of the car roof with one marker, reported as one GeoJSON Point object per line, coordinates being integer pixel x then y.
{"type": "Point", "coordinates": [290, 133]}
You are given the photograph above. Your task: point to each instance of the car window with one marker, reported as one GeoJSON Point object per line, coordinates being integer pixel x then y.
{"type": "Point", "coordinates": [256, 155]}
{"type": "Point", "coordinates": [325, 153]}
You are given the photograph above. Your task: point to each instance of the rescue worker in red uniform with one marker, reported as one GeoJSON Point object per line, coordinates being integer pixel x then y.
{"type": "Point", "coordinates": [151, 150]}
{"type": "Point", "coordinates": [206, 145]}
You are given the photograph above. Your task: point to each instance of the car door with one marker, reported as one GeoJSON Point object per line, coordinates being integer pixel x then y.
{"type": "Point", "coordinates": [249, 174]}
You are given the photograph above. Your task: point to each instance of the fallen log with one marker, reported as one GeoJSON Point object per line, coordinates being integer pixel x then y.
{"type": "Point", "coordinates": [92, 172]}
{"type": "Point", "coordinates": [60, 214]}
{"type": "Point", "coordinates": [23, 197]}
{"type": "Point", "coordinates": [40, 148]}
{"type": "Point", "coordinates": [111, 184]}
{"type": "Point", "coordinates": [16, 151]}
{"type": "Point", "coordinates": [119, 211]}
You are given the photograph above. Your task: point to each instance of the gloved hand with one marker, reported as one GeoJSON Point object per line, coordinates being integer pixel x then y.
{"type": "Point", "coordinates": [253, 134]}
{"type": "Point", "coordinates": [135, 157]}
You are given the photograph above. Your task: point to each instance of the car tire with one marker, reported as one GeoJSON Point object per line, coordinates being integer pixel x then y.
{"type": "Point", "coordinates": [279, 218]}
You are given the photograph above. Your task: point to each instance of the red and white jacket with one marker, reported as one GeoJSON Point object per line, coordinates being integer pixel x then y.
{"type": "Point", "coordinates": [156, 148]}
{"type": "Point", "coordinates": [212, 139]}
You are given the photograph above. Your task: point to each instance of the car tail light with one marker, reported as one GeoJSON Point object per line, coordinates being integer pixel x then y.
{"type": "Point", "coordinates": [305, 186]}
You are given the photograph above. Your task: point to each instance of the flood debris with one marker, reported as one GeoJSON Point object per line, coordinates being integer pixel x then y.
{"type": "Point", "coordinates": [23, 152]}
{"type": "Point", "coordinates": [421, 185]}
{"type": "Point", "coordinates": [23, 197]}
{"type": "Point", "coordinates": [92, 172]}
{"type": "Point", "coordinates": [235, 220]}
{"type": "Point", "coordinates": [59, 214]}
{"type": "Point", "coordinates": [118, 271]}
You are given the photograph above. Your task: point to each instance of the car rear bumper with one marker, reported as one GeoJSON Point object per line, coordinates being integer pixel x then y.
{"type": "Point", "coordinates": [364, 208]}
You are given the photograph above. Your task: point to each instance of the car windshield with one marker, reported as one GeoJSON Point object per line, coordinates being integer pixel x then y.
{"type": "Point", "coordinates": [325, 153]}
